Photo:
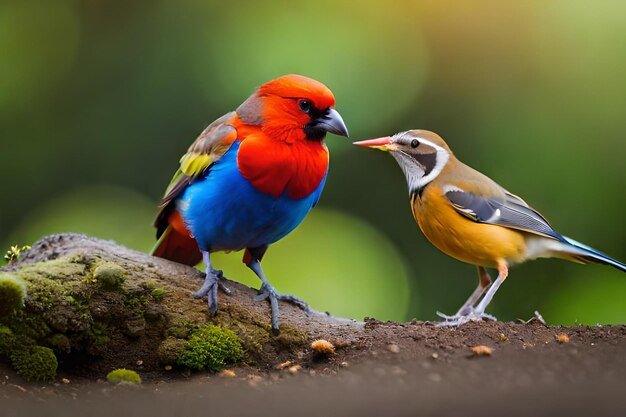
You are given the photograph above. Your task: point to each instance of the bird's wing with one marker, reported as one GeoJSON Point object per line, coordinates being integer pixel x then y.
{"type": "Point", "coordinates": [510, 211]}
{"type": "Point", "coordinates": [209, 147]}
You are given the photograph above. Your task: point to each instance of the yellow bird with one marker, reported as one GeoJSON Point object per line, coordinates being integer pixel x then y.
{"type": "Point", "coordinates": [468, 216]}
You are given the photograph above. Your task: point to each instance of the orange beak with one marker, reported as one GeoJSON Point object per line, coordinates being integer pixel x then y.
{"type": "Point", "coordinates": [379, 143]}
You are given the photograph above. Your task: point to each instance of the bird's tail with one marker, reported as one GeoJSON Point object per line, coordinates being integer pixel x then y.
{"type": "Point", "coordinates": [176, 244]}
{"type": "Point", "coordinates": [578, 252]}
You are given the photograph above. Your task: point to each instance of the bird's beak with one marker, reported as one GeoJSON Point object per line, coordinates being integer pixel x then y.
{"type": "Point", "coordinates": [332, 122]}
{"type": "Point", "coordinates": [381, 143]}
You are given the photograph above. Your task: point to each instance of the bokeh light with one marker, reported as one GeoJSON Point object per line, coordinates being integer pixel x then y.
{"type": "Point", "coordinates": [99, 99]}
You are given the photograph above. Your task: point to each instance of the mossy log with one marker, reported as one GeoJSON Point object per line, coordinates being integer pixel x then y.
{"type": "Point", "coordinates": [100, 306]}
{"type": "Point", "coordinates": [90, 307]}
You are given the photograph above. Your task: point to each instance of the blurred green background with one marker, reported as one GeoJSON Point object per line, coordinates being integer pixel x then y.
{"type": "Point", "coordinates": [98, 100]}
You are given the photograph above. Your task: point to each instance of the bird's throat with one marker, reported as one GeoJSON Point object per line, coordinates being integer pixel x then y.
{"type": "Point", "coordinates": [276, 167]}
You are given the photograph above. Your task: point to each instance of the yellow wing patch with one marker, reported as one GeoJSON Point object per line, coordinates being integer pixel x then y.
{"type": "Point", "coordinates": [212, 143]}
{"type": "Point", "coordinates": [192, 163]}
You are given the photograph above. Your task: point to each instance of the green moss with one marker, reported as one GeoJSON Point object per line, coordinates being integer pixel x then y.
{"type": "Point", "coordinates": [57, 299]}
{"type": "Point", "coordinates": [78, 293]}
{"type": "Point", "coordinates": [11, 341]}
{"type": "Point", "coordinates": [254, 334]}
{"type": "Point", "coordinates": [170, 349]}
{"type": "Point", "coordinates": [109, 275]}
{"type": "Point", "coordinates": [158, 293]}
{"type": "Point", "coordinates": [97, 334]}
{"type": "Point", "coordinates": [43, 292]}
{"type": "Point", "coordinates": [148, 284]}
{"type": "Point", "coordinates": [12, 293]}
{"type": "Point", "coordinates": [124, 375]}
{"type": "Point", "coordinates": [35, 363]}
{"type": "Point", "coordinates": [29, 325]}
{"type": "Point", "coordinates": [181, 328]}
{"type": "Point", "coordinates": [60, 268]}
{"type": "Point", "coordinates": [291, 338]}
{"type": "Point", "coordinates": [60, 343]}
{"type": "Point", "coordinates": [49, 283]}
{"type": "Point", "coordinates": [211, 347]}
{"type": "Point", "coordinates": [136, 301]}
{"type": "Point", "coordinates": [7, 340]}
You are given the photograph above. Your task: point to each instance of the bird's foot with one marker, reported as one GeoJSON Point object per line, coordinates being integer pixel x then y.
{"type": "Point", "coordinates": [463, 317]}
{"type": "Point", "coordinates": [220, 276]}
{"type": "Point", "coordinates": [212, 282]}
{"type": "Point", "coordinates": [268, 292]}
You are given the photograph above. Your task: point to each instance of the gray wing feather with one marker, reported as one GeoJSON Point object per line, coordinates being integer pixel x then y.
{"type": "Point", "coordinates": [513, 212]}
{"type": "Point", "coordinates": [512, 198]}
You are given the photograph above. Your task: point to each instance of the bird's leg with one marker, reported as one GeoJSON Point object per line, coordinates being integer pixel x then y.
{"type": "Point", "coordinates": [484, 281]}
{"type": "Point", "coordinates": [503, 272]}
{"type": "Point", "coordinates": [470, 313]}
{"type": "Point", "coordinates": [267, 291]}
{"type": "Point", "coordinates": [211, 284]}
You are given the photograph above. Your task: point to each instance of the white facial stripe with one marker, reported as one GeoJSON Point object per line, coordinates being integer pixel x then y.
{"type": "Point", "coordinates": [413, 171]}
{"type": "Point", "coordinates": [442, 160]}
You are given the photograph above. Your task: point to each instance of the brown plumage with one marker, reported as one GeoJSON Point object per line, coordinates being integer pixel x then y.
{"type": "Point", "coordinates": [468, 216]}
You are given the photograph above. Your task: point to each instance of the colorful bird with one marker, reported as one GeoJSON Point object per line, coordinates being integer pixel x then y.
{"type": "Point", "coordinates": [248, 180]}
{"type": "Point", "coordinates": [468, 216]}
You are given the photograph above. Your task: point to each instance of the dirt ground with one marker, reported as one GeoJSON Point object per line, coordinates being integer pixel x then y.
{"type": "Point", "coordinates": [378, 369]}
{"type": "Point", "coordinates": [389, 369]}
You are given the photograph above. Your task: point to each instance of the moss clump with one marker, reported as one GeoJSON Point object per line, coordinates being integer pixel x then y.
{"type": "Point", "coordinates": [43, 292]}
{"type": "Point", "coordinates": [181, 328]}
{"type": "Point", "coordinates": [211, 348]}
{"type": "Point", "coordinates": [291, 338]}
{"type": "Point", "coordinates": [109, 275]}
{"type": "Point", "coordinates": [12, 293]}
{"type": "Point", "coordinates": [170, 349]}
{"type": "Point", "coordinates": [11, 339]}
{"type": "Point", "coordinates": [254, 334]}
{"type": "Point", "coordinates": [158, 293]}
{"type": "Point", "coordinates": [7, 340]}
{"type": "Point", "coordinates": [35, 363]}
{"type": "Point", "coordinates": [60, 343]}
{"type": "Point", "coordinates": [30, 326]}
{"type": "Point", "coordinates": [124, 375]}
{"type": "Point", "coordinates": [58, 269]}
{"type": "Point", "coordinates": [96, 338]}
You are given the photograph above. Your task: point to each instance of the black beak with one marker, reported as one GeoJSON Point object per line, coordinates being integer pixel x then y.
{"type": "Point", "coordinates": [328, 121]}
{"type": "Point", "coordinates": [332, 122]}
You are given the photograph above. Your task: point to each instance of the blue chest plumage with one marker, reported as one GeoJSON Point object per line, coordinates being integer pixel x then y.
{"type": "Point", "coordinates": [224, 211]}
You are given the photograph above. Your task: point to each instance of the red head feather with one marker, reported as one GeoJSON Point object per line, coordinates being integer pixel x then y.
{"type": "Point", "coordinates": [299, 86]}
{"type": "Point", "coordinates": [280, 157]}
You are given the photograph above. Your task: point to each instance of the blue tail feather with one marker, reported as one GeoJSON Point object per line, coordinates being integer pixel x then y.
{"type": "Point", "coordinates": [589, 254]}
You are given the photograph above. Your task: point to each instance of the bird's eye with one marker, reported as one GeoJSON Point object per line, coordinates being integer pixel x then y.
{"type": "Point", "coordinates": [415, 143]}
{"type": "Point", "coordinates": [305, 105]}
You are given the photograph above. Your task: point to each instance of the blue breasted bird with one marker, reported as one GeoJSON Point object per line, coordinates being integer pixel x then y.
{"type": "Point", "coordinates": [248, 180]}
{"type": "Point", "coordinates": [466, 215]}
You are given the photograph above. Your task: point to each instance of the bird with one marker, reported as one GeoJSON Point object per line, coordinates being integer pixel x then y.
{"type": "Point", "coordinates": [248, 180]}
{"type": "Point", "coordinates": [468, 216]}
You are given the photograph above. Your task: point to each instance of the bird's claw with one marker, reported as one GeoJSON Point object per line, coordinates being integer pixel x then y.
{"type": "Point", "coordinates": [224, 288]}
{"type": "Point", "coordinates": [463, 317]}
{"type": "Point", "coordinates": [265, 294]}
{"type": "Point", "coordinates": [212, 282]}
{"type": "Point", "coordinates": [302, 305]}
{"type": "Point", "coordinates": [268, 292]}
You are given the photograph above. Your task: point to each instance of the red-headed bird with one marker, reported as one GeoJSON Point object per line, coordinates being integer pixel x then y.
{"type": "Point", "coordinates": [466, 215]}
{"type": "Point", "coordinates": [248, 180]}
